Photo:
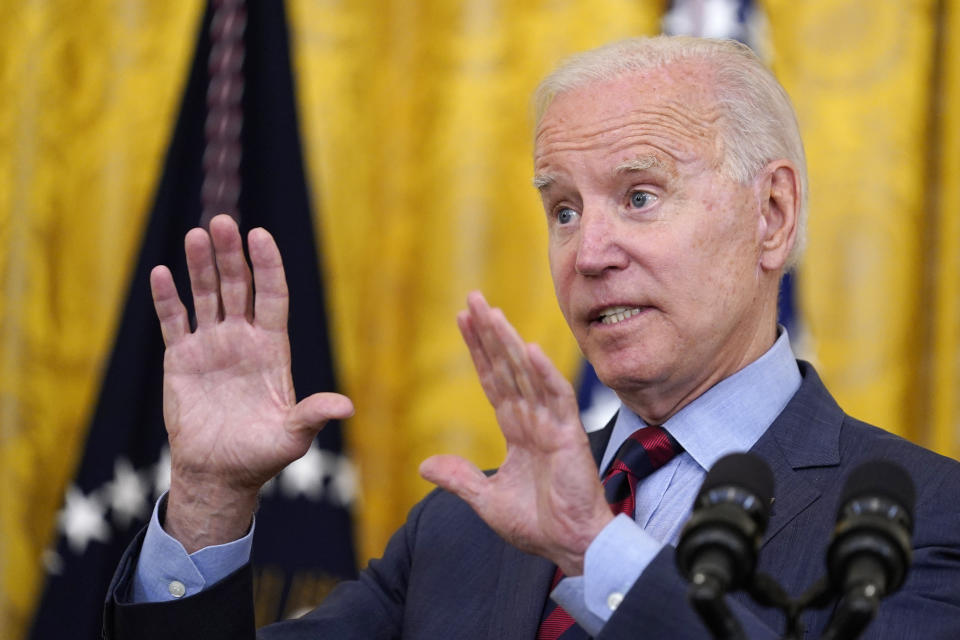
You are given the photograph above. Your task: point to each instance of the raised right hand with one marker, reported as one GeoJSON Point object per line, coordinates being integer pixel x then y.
{"type": "Point", "coordinates": [228, 398]}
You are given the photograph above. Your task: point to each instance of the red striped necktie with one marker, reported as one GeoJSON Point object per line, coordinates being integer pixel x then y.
{"type": "Point", "coordinates": [645, 451]}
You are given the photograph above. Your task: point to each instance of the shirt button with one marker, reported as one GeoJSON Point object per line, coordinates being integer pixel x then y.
{"type": "Point", "coordinates": [614, 600]}
{"type": "Point", "coordinates": [176, 588]}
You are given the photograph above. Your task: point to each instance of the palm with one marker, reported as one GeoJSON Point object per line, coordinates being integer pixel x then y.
{"type": "Point", "coordinates": [227, 395]}
{"type": "Point", "coordinates": [537, 467]}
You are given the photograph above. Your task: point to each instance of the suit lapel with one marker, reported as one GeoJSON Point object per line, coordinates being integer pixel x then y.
{"type": "Point", "coordinates": [524, 581]}
{"type": "Point", "coordinates": [805, 435]}
{"type": "Point", "coordinates": [599, 439]}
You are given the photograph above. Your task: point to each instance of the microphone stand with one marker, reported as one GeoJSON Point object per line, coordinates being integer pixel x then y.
{"type": "Point", "coordinates": [706, 596]}
{"type": "Point", "coordinates": [707, 599]}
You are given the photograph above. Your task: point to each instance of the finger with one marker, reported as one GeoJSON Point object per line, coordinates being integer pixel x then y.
{"type": "Point", "coordinates": [236, 293]}
{"type": "Point", "coordinates": [559, 393]}
{"type": "Point", "coordinates": [204, 281]}
{"type": "Point", "coordinates": [527, 378]}
{"type": "Point", "coordinates": [505, 349]}
{"type": "Point", "coordinates": [502, 371]}
{"type": "Point", "coordinates": [272, 299]}
{"type": "Point", "coordinates": [313, 412]}
{"type": "Point", "coordinates": [171, 313]}
{"type": "Point", "coordinates": [456, 475]}
{"type": "Point", "coordinates": [481, 363]}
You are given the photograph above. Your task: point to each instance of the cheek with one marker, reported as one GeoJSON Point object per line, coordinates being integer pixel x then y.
{"type": "Point", "coordinates": [561, 270]}
{"type": "Point", "coordinates": [704, 266]}
{"type": "Point", "coordinates": [727, 269]}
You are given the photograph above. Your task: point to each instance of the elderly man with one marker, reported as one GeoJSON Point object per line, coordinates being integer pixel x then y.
{"type": "Point", "coordinates": [672, 176]}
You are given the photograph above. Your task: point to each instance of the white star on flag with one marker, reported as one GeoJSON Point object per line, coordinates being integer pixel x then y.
{"type": "Point", "coordinates": [305, 476]}
{"type": "Point", "coordinates": [127, 493]}
{"type": "Point", "coordinates": [82, 520]}
{"type": "Point", "coordinates": [343, 485]}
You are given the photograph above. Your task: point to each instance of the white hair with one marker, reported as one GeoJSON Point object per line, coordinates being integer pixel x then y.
{"type": "Point", "coordinates": [758, 123]}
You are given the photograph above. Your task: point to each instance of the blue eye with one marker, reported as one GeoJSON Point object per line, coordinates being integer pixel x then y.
{"type": "Point", "coordinates": [566, 215]}
{"type": "Point", "coordinates": [640, 199]}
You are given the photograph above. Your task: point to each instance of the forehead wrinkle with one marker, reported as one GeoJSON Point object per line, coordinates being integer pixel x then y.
{"type": "Point", "coordinates": [703, 120]}
{"type": "Point", "coordinates": [665, 148]}
{"type": "Point", "coordinates": [669, 121]}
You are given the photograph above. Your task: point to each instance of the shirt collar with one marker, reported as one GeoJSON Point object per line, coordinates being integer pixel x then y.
{"type": "Point", "coordinates": [731, 415]}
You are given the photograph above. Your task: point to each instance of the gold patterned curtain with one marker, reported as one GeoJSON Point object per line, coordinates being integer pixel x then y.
{"type": "Point", "coordinates": [90, 89]}
{"type": "Point", "coordinates": [943, 414]}
{"type": "Point", "coordinates": [876, 85]}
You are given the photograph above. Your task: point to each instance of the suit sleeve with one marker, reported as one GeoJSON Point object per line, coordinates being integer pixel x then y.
{"type": "Point", "coordinates": [225, 610]}
{"type": "Point", "coordinates": [369, 607]}
{"type": "Point", "coordinates": [657, 604]}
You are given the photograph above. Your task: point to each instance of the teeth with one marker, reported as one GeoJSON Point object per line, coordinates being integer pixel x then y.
{"type": "Point", "coordinates": [614, 315]}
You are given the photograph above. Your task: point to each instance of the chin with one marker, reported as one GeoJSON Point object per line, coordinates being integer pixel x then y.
{"type": "Point", "coordinates": [627, 374]}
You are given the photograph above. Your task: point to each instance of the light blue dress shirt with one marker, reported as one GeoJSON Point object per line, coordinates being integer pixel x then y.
{"type": "Point", "coordinates": [731, 416]}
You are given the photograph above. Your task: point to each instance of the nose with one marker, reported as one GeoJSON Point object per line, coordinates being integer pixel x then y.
{"type": "Point", "coordinates": [599, 247]}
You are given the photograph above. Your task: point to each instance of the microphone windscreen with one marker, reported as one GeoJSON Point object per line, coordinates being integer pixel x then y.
{"type": "Point", "coordinates": [880, 478]}
{"type": "Point", "coordinates": [743, 470]}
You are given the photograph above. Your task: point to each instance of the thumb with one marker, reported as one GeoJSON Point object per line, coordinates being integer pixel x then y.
{"type": "Point", "coordinates": [456, 475]}
{"type": "Point", "coordinates": [313, 412]}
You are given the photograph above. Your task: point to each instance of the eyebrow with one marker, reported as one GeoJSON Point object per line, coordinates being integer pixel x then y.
{"type": "Point", "coordinates": [638, 164]}
{"type": "Point", "coordinates": [541, 182]}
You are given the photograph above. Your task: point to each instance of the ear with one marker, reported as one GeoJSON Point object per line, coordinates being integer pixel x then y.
{"type": "Point", "coordinates": [778, 193]}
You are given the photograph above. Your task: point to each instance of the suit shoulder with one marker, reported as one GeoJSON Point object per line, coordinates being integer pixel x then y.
{"type": "Point", "coordinates": [859, 439]}
{"type": "Point", "coordinates": [936, 477]}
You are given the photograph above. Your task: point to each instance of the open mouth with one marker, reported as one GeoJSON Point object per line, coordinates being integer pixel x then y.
{"type": "Point", "coordinates": [613, 315]}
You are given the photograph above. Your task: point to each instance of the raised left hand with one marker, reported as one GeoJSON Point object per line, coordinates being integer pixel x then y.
{"type": "Point", "coordinates": [546, 497]}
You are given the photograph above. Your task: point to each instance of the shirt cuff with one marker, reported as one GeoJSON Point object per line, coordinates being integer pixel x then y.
{"type": "Point", "coordinates": [612, 563]}
{"type": "Point", "coordinates": [166, 572]}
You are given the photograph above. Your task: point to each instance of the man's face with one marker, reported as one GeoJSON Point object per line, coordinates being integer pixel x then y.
{"type": "Point", "coordinates": [655, 254]}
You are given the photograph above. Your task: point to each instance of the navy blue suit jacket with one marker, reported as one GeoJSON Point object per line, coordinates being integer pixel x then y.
{"type": "Point", "coordinates": [445, 574]}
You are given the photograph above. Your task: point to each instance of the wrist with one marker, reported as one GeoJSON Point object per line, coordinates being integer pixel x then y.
{"type": "Point", "coordinates": [201, 515]}
{"type": "Point", "coordinates": [571, 559]}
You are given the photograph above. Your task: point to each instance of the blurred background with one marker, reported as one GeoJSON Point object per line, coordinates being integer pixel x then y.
{"type": "Point", "coordinates": [387, 144]}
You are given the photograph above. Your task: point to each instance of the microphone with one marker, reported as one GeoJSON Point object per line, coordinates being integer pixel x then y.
{"type": "Point", "coordinates": [718, 546]}
{"type": "Point", "coordinates": [870, 551]}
